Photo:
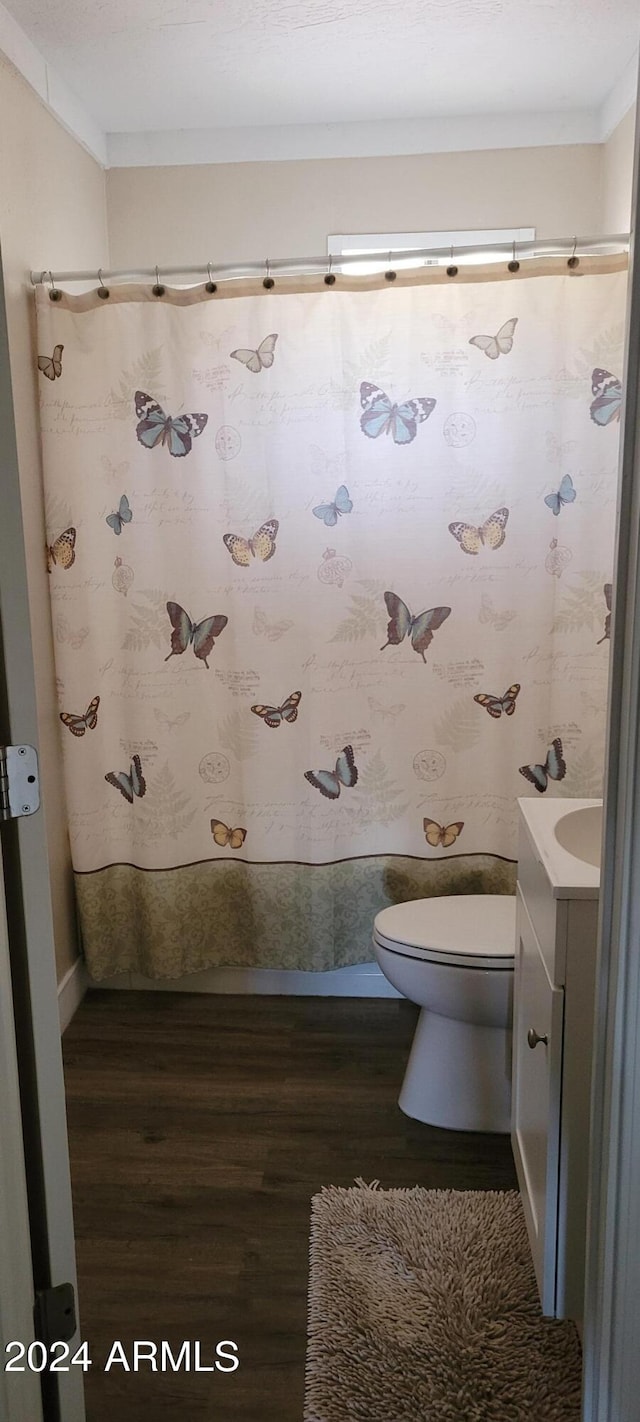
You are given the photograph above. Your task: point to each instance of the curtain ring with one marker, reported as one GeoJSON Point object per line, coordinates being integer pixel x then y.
{"type": "Point", "coordinates": [513, 265]}
{"type": "Point", "coordinates": [103, 291]}
{"type": "Point", "coordinates": [268, 282]}
{"type": "Point", "coordinates": [158, 289]}
{"type": "Point", "coordinates": [452, 270]}
{"type": "Point", "coordinates": [573, 260]}
{"type": "Point", "coordinates": [54, 294]}
{"type": "Point", "coordinates": [329, 278]}
{"type": "Point", "coordinates": [390, 275]}
{"type": "Point", "coordinates": [210, 285]}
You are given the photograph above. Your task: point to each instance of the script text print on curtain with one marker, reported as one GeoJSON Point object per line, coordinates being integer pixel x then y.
{"type": "Point", "coordinates": [330, 575]}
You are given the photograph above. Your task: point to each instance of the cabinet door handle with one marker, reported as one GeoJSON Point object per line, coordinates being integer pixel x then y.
{"type": "Point", "coordinates": [533, 1038]}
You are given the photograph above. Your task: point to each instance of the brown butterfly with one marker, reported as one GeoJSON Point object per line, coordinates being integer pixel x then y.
{"type": "Point", "coordinates": [420, 628]}
{"type": "Point", "coordinates": [261, 546]}
{"type": "Point", "coordinates": [51, 366]}
{"type": "Point", "coordinates": [492, 532]}
{"type": "Point", "coordinates": [224, 836]}
{"type": "Point", "coordinates": [79, 724]}
{"type": "Point", "coordinates": [274, 715]}
{"type": "Point", "coordinates": [62, 550]}
{"type": "Point", "coordinates": [201, 634]}
{"type": "Point", "coordinates": [495, 705]}
{"type": "Point", "coordinates": [444, 835]}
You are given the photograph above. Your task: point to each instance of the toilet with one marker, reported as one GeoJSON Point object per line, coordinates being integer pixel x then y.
{"type": "Point", "coordinates": [454, 957]}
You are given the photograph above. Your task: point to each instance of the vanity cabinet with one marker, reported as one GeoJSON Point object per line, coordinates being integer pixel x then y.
{"type": "Point", "coordinates": [554, 991]}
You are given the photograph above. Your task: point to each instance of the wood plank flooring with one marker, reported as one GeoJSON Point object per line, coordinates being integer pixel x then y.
{"type": "Point", "coordinates": [200, 1127]}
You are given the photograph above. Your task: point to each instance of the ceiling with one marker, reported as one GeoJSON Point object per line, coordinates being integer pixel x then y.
{"type": "Point", "coordinates": [140, 66]}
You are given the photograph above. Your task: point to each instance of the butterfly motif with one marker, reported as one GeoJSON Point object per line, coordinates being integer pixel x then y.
{"type": "Point", "coordinates": [123, 515]}
{"type": "Point", "coordinates": [441, 835]}
{"type": "Point", "coordinates": [608, 397]}
{"type": "Point", "coordinates": [201, 634]}
{"type": "Point", "coordinates": [155, 427]}
{"type": "Point", "coordinates": [79, 724]}
{"type": "Point", "coordinates": [129, 785]}
{"type": "Point", "coordinates": [566, 494]}
{"type": "Point", "coordinates": [273, 631]}
{"type": "Point", "coordinates": [491, 533]}
{"type": "Point", "coordinates": [386, 713]}
{"type": "Point", "coordinates": [382, 417]}
{"type": "Point", "coordinates": [608, 593]}
{"type": "Point", "coordinates": [554, 768]}
{"type": "Point", "coordinates": [488, 613]}
{"type": "Point", "coordinates": [274, 715]}
{"type": "Point", "coordinates": [328, 782]}
{"type": "Point", "coordinates": [495, 705]}
{"type": "Point", "coordinates": [330, 513]}
{"type": "Point", "coordinates": [224, 836]}
{"type": "Point", "coordinates": [62, 550]}
{"type": "Point", "coordinates": [262, 359]}
{"type": "Point", "coordinates": [65, 633]}
{"type": "Point", "coordinates": [51, 366]}
{"type": "Point", "coordinates": [115, 471]}
{"type": "Point", "coordinates": [403, 624]}
{"type": "Point", "coordinates": [500, 344]}
{"type": "Point", "coordinates": [261, 546]}
{"type": "Point", "coordinates": [166, 722]}
{"type": "Point", "coordinates": [557, 451]}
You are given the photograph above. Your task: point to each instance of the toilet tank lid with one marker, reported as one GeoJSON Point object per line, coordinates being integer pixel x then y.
{"type": "Point", "coordinates": [473, 924]}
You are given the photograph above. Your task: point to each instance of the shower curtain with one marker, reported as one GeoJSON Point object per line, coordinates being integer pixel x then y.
{"type": "Point", "coordinates": [330, 576]}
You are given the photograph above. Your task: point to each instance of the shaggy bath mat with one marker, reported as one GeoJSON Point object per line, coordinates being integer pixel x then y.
{"type": "Point", "coordinates": [423, 1308]}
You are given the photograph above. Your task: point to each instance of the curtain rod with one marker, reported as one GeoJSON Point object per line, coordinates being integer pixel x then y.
{"type": "Point", "coordinates": [546, 247]}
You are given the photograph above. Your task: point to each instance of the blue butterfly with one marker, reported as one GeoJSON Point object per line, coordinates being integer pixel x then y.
{"type": "Point", "coordinates": [157, 428]}
{"type": "Point", "coordinates": [328, 782]}
{"type": "Point", "coordinates": [123, 515]}
{"type": "Point", "coordinates": [129, 785]}
{"type": "Point", "coordinates": [554, 768]}
{"type": "Point", "coordinates": [382, 417]}
{"type": "Point", "coordinates": [608, 397]}
{"type": "Point", "coordinates": [565, 495]}
{"type": "Point", "coordinates": [330, 513]}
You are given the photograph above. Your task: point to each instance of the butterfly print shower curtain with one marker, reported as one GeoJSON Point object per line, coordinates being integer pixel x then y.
{"type": "Point", "coordinates": [352, 608]}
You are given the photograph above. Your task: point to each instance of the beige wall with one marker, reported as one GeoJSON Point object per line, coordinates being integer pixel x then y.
{"type": "Point", "coordinates": [52, 213]}
{"type": "Point", "coordinates": [617, 176]}
{"type": "Point", "coordinates": [244, 211]}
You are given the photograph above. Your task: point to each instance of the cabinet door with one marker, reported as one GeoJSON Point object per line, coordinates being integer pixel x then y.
{"type": "Point", "coordinates": [535, 1131]}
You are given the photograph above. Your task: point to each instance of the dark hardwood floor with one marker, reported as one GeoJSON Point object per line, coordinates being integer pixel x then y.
{"type": "Point", "coordinates": [200, 1127]}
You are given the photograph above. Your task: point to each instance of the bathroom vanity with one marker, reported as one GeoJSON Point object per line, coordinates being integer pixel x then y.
{"type": "Point", "coordinates": [554, 989]}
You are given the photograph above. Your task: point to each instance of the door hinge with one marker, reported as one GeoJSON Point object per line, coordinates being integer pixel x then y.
{"type": "Point", "coordinates": [54, 1315]}
{"type": "Point", "coordinates": [19, 784]}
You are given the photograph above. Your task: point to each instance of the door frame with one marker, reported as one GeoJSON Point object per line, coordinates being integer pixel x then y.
{"type": "Point", "coordinates": [612, 1301]}
{"type": "Point", "coordinates": [30, 935]}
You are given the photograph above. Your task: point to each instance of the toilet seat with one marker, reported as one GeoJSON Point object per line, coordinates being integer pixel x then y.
{"type": "Point", "coordinates": [466, 931]}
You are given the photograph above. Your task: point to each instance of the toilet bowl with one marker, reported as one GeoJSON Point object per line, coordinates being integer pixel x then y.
{"type": "Point", "coordinates": [454, 957]}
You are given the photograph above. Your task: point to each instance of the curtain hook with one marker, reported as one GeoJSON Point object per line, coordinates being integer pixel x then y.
{"type": "Point", "coordinates": [513, 265]}
{"type": "Point", "coordinates": [390, 275]}
{"type": "Point", "coordinates": [329, 279]}
{"type": "Point", "coordinates": [54, 294]}
{"type": "Point", "coordinates": [268, 282]}
{"type": "Point", "coordinates": [103, 291]}
{"type": "Point", "coordinates": [158, 289]}
{"type": "Point", "coordinates": [452, 270]}
{"type": "Point", "coordinates": [210, 285]}
{"type": "Point", "coordinates": [573, 260]}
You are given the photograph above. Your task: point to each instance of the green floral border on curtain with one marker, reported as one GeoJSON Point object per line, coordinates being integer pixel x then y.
{"type": "Point", "coordinates": [166, 923]}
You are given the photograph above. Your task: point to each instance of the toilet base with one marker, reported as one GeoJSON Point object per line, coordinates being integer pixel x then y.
{"type": "Point", "coordinates": [458, 1075]}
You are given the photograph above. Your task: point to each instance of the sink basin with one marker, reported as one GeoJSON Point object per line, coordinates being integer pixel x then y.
{"type": "Point", "coordinates": [580, 833]}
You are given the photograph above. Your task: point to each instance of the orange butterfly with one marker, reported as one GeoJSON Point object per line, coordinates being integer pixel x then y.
{"type": "Point", "coordinates": [223, 836]}
{"type": "Point", "coordinates": [444, 835]}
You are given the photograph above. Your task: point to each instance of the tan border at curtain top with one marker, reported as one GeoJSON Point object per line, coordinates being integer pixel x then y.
{"type": "Point", "coordinates": [529, 269]}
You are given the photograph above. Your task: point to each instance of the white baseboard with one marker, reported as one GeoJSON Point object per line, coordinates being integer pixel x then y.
{"type": "Point", "coordinates": [365, 980]}
{"type": "Point", "coordinates": [71, 991]}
